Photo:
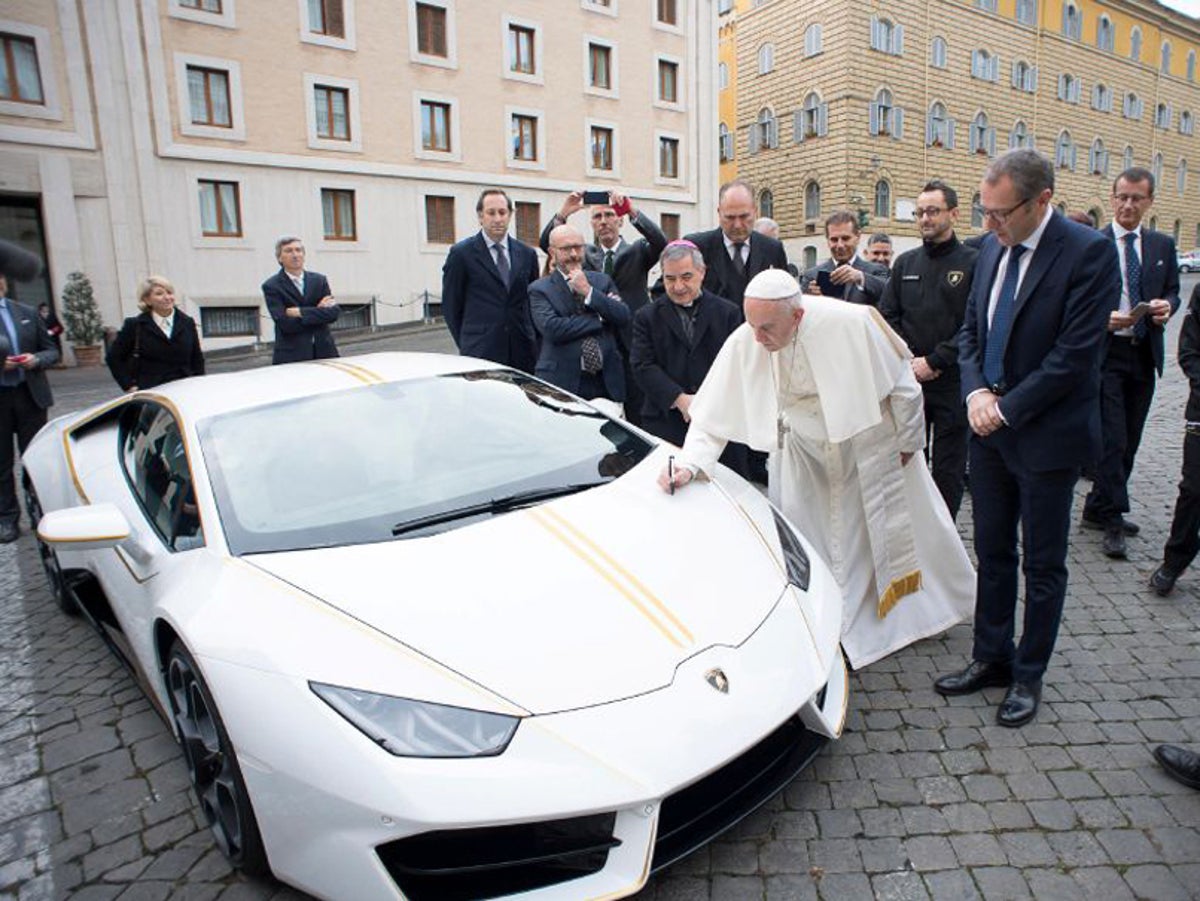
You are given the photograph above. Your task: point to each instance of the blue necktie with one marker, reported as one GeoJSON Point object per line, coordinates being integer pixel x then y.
{"type": "Point", "coordinates": [10, 378]}
{"type": "Point", "coordinates": [1133, 281]}
{"type": "Point", "coordinates": [1002, 318]}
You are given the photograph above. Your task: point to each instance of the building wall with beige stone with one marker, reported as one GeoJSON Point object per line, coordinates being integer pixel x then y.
{"type": "Point", "coordinates": [849, 161]}
{"type": "Point", "coordinates": [128, 179]}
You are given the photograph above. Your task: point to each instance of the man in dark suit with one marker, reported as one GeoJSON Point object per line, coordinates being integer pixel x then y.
{"type": "Point", "coordinates": [1133, 355]}
{"type": "Point", "coordinates": [859, 281]}
{"type": "Point", "coordinates": [1029, 361]}
{"type": "Point", "coordinates": [578, 314]}
{"type": "Point", "coordinates": [27, 351]}
{"type": "Point", "coordinates": [675, 340]}
{"type": "Point", "coordinates": [733, 252]}
{"type": "Point", "coordinates": [628, 264]}
{"type": "Point", "coordinates": [302, 306]}
{"type": "Point", "coordinates": [485, 289]}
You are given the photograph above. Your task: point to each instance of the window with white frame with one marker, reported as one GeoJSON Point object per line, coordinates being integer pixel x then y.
{"type": "Point", "coordinates": [1132, 107]}
{"type": "Point", "coordinates": [206, 12]}
{"type": "Point", "coordinates": [1068, 88]}
{"type": "Point", "coordinates": [811, 120]}
{"type": "Point", "coordinates": [332, 105]}
{"type": "Point", "coordinates": [1024, 76]}
{"type": "Point", "coordinates": [220, 209]}
{"type": "Point", "coordinates": [667, 12]}
{"type": "Point", "coordinates": [439, 219]}
{"type": "Point", "coordinates": [812, 200]}
{"type": "Point", "coordinates": [1101, 98]}
{"type": "Point", "coordinates": [436, 132]}
{"type": "Point", "coordinates": [1162, 116]}
{"type": "Point", "coordinates": [328, 23]}
{"type": "Point", "coordinates": [668, 157]}
{"type": "Point", "coordinates": [210, 97]}
{"type": "Point", "coordinates": [522, 50]}
{"type": "Point", "coordinates": [1187, 124]}
{"type": "Point", "coordinates": [939, 127]}
{"type": "Point", "coordinates": [432, 34]}
{"type": "Point", "coordinates": [764, 133]}
{"type": "Point", "coordinates": [435, 126]}
{"type": "Point", "coordinates": [1064, 151]}
{"type": "Point", "coordinates": [884, 117]}
{"type": "Point", "coordinates": [601, 72]}
{"type": "Point", "coordinates": [26, 75]}
{"type": "Point", "coordinates": [667, 87]}
{"type": "Point", "coordinates": [1019, 136]}
{"type": "Point", "coordinates": [1104, 34]}
{"type": "Point", "coordinates": [1027, 12]}
{"type": "Point", "coordinates": [602, 143]}
{"type": "Point", "coordinates": [937, 52]}
{"type": "Point", "coordinates": [337, 214]}
{"type": "Point", "coordinates": [1098, 158]}
{"type": "Point", "coordinates": [812, 40]}
{"type": "Point", "coordinates": [982, 138]}
{"type": "Point", "coordinates": [985, 66]}
{"type": "Point", "coordinates": [1072, 22]}
{"type": "Point", "coordinates": [766, 58]}
{"type": "Point", "coordinates": [887, 36]}
{"type": "Point", "coordinates": [333, 114]}
{"type": "Point", "coordinates": [523, 134]}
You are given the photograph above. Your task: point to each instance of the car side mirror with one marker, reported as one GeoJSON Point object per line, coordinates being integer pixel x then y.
{"type": "Point", "coordinates": [84, 528]}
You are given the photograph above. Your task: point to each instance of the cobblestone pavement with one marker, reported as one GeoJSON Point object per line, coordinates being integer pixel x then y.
{"type": "Point", "coordinates": [922, 797]}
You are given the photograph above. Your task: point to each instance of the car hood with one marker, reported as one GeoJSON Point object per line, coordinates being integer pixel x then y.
{"type": "Point", "coordinates": [588, 599]}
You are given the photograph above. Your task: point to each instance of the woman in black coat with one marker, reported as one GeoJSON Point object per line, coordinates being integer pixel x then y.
{"type": "Point", "coordinates": [160, 345]}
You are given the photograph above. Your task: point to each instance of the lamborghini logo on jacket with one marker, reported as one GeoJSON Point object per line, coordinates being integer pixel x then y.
{"type": "Point", "coordinates": [955, 277]}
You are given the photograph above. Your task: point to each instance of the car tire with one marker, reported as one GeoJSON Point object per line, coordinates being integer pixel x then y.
{"type": "Point", "coordinates": [63, 595]}
{"type": "Point", "coordinates": [212, 764]}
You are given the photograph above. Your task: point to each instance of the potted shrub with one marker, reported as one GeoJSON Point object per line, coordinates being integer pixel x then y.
{"type": "Point", "coordinates": [85, 330]}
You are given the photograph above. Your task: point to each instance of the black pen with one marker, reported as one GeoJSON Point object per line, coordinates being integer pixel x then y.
{"type": "Point", "coordinates": [671, 474]}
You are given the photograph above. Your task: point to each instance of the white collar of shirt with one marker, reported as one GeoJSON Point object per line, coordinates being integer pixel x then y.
{"type": "Point", "coordinates": [164, 323]}
{"type": "Point", "coordinates": [729, 245]}
{"type": "Point", "coordinates": [297, 280]}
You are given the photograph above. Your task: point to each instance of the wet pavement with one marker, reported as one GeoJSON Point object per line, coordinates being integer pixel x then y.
{"type": "Point", "coordinates": [923, 797]}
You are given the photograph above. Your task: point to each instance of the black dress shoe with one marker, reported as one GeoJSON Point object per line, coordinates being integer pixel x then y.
{"type": "Point", "coordinates": [1181, 764]}
{"type": "Point", "coordinates": [976, 676]}
{"type": "Point", "coordinates": [8, 532]}
{"type": "Point", "coordinates": [1020, 704]}
{"type": "Point", "coordinates": [1162, 580]}
{"type": "Point", "coordinates": [1114, 543]}
{"type": "Point", "coordinates": [1130, 527]}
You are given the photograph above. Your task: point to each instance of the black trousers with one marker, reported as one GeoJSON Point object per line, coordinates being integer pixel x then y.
{"type": "Point", "coordinates": [1184, 543]}
{"type": "Point", "coordinates": [1126, 391]}
{"type": "Point", "coordinates": [946, 433]}
{"type": "Point", "coordinates": [20, 419]}
{"type": "Point", "coordinates": [1006, 494]}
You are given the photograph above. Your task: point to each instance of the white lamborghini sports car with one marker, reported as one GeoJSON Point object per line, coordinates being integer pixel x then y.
{"type": "Point", "coordinates": [427, 627]}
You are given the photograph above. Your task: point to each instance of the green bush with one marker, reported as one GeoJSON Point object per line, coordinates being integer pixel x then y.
{"type": "Point", "coordinates": [79, 311]}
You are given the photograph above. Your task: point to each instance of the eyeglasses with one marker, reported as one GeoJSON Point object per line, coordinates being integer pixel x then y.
{"type": "Point", "coordinates": [930, 211]}
{"type": "Point", "coordinates": [1002, 216]}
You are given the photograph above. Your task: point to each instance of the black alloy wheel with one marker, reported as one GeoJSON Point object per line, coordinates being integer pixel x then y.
{"type": "Point", "coordinates": [63, 595]}
{"type": "Point", "coordinates": [212, 763]}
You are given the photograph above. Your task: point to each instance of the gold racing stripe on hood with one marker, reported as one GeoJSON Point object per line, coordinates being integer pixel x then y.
{"type": "Point", "coordinates": [641, 597]}
{"type": "Point", "coordinates": [359, 372]}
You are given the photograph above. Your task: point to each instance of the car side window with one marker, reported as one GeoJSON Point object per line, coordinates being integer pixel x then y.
{"type": "Point", "coordinates": [155, 461]}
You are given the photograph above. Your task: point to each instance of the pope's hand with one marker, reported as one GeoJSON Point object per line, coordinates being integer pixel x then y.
{"type": "Point", "coordinates": [679, 475]}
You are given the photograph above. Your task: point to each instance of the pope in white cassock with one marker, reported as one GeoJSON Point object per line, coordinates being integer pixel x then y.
{"type": "Point", "coordinates": [827, 389]}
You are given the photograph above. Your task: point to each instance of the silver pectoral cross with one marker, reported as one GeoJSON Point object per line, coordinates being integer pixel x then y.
{"type": "Point", "coordinates": [781, 430]}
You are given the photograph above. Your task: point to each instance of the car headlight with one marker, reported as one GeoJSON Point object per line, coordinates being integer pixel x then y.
{"type": "Point", "coordinates": [409, 728]}
{"type": "Point", "coordinates": [796, 561]}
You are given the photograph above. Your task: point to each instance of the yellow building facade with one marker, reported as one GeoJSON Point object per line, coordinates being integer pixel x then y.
{"type": "Point", "coordinates": [858, 105]}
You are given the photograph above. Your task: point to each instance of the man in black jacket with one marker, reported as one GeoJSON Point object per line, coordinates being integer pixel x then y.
{"type": "Point", "coordinates": [733, 252]}
{"type": "Point", "coordinates": [302, 306]}
{"type": "Point", "coordinates": [675, 340]}
{"type": "Point", "coordinates": [924, 302]}
{"type": "Point", "coordinates": [849, 277]}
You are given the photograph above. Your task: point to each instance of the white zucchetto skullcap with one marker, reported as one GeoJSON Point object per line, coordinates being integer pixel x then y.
{"type": "Point", "coordinates": [772, 284]}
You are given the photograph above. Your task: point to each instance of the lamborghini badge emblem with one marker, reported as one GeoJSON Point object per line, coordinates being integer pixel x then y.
{"type": "Point", "coordinates": [954, 277]}
{"type": "Point", "coordinates": [718, 680]}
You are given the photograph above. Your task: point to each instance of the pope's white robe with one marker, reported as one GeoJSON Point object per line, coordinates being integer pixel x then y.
{"type": "Point", "coordinates": [850, 405]}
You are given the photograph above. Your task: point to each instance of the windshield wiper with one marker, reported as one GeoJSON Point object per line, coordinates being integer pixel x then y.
{"type": "Point", "coordinates": [496, 505]}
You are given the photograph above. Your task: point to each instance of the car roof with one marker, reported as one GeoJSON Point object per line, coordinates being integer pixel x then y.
{"type": "Point", "coordinates": [200, 398]}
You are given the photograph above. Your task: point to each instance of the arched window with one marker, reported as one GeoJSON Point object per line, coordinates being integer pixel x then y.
{"type": "Point", "coordinates": [1162, 115]}
{"type": "Point", "coordinates": [1024, 76]}
{"type": "Point", "coordinates": [939, 128]}
{"type": "Point", "coordinates": [812, 119]}
{"type": "Point", "coordinates": [885, 117]}
{"type": "Point", "coordinates": [812, 200]}
{"type": "Point", "coordinates": [886, 36]}
{"type": "Point", "coordinates": [765, 132]}
{"type": "Point", "coordinates": [766, 203]}
{"type": "Point", "coordinates": [725, 139]}
{"type": "Point", "coordinates": [1102, 98]}
{"type": "Point", "coordinates": [1027, 12]}
{"type": "Point", "coordinates": [1098, 158]}
{"type": "Point", "coordinates": [1135, 43]}
{"type": "Point", "coordinates": [766, 58]}
{"type": "Point", "coordinates": [1132, 108]}
{"type": "Point", "coordinates": [1165, 58]}
{"type": "Point", "coordinates": [1187, 125]}
{"type": "Point", "coordinates": [982, 138]}
{"type": "Point", "coordinates": [810, 256]}
{"type": "Point", "coordinates": [812, 40]}
{"type": "Point", "coordinates": [937, 53]}
{"type": "Point", "coordinates": [1104, 34]}
{"type": "Point", "coordinates": [1156, 167]}
{"type": "Point", "coordinates": [1072, 24]}
{"type": "Point", "coordinates": [1181, 174]}
{"type": "Point", "coordinates": [1064, 151]}
{"type": "Point", "coordinates": [976, 212]}
{"type": "Point", "coordinates": [883, 199]}
{"type": "Point", "coordinates": [723, 76]}
{"type": "Point", "coordinates": [1019, 136]}
{"type": "Point", "coordinates": [1097, 216]}
{"type": "Point", "coordinates": [1127, 158]}
{"type": "Point", "coordinates": [1191, 65]}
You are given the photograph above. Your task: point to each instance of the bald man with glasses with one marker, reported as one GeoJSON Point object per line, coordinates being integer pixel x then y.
{"type": "Point", "coordinates": [1029, 358]}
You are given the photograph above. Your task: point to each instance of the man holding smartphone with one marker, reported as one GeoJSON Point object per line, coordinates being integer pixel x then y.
{"type": "Point", "coordinates": [844, 274]}
{"type": "Point", "coordinates": [628, 264]}
{"type": "Point", "coordinates": [27, 350]}
{"type": "Point", "coordinates": [1133, 354]}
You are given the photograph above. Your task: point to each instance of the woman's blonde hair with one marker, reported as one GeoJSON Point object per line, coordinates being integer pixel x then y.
{"type": "Point", "coordinates": [149, 283]}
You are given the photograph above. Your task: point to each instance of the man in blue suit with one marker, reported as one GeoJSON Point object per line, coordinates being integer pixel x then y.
{"type": "Point", "coordinates": [302, 306]}
{"type": "Point", "coordinates": [579, 315]}
{"type": "Point", "coordinates": [1029, 358]}
{"type": "Point", "coordinates": [485, 289]}
{"type": "Point", "coordinates": [1133, 357]}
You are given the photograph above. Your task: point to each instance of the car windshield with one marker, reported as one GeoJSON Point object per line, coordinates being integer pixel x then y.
{"type": "Point", "coordinates": [404, 459]}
